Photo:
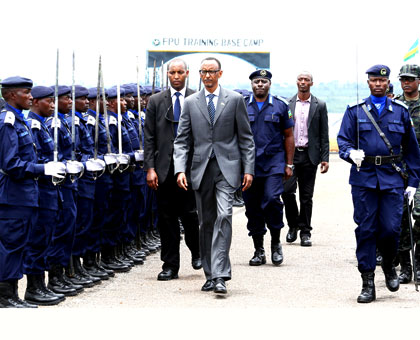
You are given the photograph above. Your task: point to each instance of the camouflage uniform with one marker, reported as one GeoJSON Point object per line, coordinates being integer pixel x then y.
{"type": "Point", "coordinates": [405, 243]}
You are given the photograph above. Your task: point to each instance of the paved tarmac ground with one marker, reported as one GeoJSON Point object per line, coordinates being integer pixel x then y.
{"type": "Point", "coordinates": [323, 278]}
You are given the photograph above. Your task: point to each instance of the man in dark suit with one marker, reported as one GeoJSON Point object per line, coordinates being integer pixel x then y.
{"type": "Point", "coordinates": [161, 124]}
{"type": "Point", "coordinates": [214, 128]}
{"type": "Point", "coordinates": [311, 148]}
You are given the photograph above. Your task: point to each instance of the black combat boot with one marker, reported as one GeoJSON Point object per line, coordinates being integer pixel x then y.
{"type": "Point", "coordinates": [259, 255]}
{"type": "Point", "coordinates": [417, 259]}
{"type": "Point", "coordinates": [276, 249]}
{"type": "Point", "coordinates": [368, 293]}
{"type": "Point", "coordinates": [108, 261]}
{"type": "Point", "coordinates": [78, 268]}
{"type": "Point", "coordinates": [16, 296]}
{"type": "Point", "coordinates": [406, 272]}
{"type": "Point", "coordinates": [61, 297]}
{"type": "Point", "coordinates": [70, 275]}
{"type": "Point", "coordinates": [56, 282]}
{"type": "Point", "coordinates": [391, 278]}
{"type": "Point", "coordinates": [92, 268]}
{"type": "Point", "coordinates": [36, 294]}
{"type": "Point", "coordinates": [7, 296]}
{"type": "Point", "coordinates": [129, 254]}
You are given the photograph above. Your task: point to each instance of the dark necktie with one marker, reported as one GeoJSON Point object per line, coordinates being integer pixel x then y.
{"type": "Point", "coordinates": [211, 108]}
{"type": "Point", "coordinates": [212, 111]}
{"type": "Point", "coordinates": [177, 112]}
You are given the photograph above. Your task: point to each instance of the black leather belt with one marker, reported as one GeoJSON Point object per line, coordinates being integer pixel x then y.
{"type": "Point", "coordinates": [379, 160]}
{"type": "Point", "coordinates": [301, 148]}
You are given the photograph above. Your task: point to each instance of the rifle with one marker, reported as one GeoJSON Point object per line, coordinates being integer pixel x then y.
{"type": "Point", "coordinates": [410, 225]}
{"type": "Point", "coordinates": [154, 76]}
{"type": "Point", "coordinates": [56, 180]}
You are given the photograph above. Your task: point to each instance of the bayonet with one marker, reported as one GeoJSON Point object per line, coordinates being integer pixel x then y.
{"type": "Point", "coordinates": [97, 174]}
{"type": "Point", "coordinates": [139, 106]}
{"type": "Point", "coordinates": [154, 76]}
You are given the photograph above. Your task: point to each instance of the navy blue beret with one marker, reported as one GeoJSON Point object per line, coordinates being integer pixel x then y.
{"type": "Point", "coordinates": [39, 92]}
{"type": "Point", "coordinates": [128, 89]}
{"type": "Point", "coordinates": [379, 71]}
{"type": "Point", "coordinates": [112, 92]}
{"type": "Point", "coordinates": [261, 74]}
{"type": "Point", "coordinates": [134, 88]}
{"type": "Point", "coordinates": [93, 92]}
{"type": "Point", "coordinates": [17, 82]}
{"type": "Point", "coordinates": [80, 91]}
{"type": "Point", "coordinates": [62, 90]}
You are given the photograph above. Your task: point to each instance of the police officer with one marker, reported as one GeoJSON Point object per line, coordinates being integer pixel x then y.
{"type": "Point", "coordinates": [50, 202]}
{"type": "Point", "coordinates": [18, 186]}
{"type": "Point", "coordinates": [410, 80]}
{"type": "Point", "coordinates": [376, 176]}
{"type": "Point", "coordinates": [59, 253]}
{"type": "Point", "coordinates": [272, 126]}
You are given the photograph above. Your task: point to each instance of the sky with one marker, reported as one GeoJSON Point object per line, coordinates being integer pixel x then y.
{"type": "Point", "coordinates": [334, 40]}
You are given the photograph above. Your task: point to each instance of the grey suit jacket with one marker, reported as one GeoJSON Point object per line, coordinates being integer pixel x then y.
{"type": "Point", "coordinates": [159, 133]}
{"type": "Point", "coordinates": [318, 140]}
{"type": "Point", "coordinates": [230, 137]}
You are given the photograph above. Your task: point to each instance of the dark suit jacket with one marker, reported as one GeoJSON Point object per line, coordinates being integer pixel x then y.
{"type": "Point", "coordinates": [318, 140]}
{"type": "Point", "coordinates": [159, 133]}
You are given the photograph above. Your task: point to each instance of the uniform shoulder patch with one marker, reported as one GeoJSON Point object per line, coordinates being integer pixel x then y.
{"type": "Point", "coordinates": [9, 118]}
{"type": "Point", "coordinates": [112, 120]}
{"type": "Point", "coordinates": [91, 120]}
{"type": "Point", "coordinates": [55, 122]}
{"type": "Point", "coordinates": [143, 115]}
{"type": "Point", "coordinates": [35, 124]}
{"type": "Point", "coordinates": [76, 121]}
{"type": "Point", "coordinates": [358, 103]}
{"type": "Point", "coordinates": [131, 115]}
{"type": "Point", "coordinates": [396, 101]}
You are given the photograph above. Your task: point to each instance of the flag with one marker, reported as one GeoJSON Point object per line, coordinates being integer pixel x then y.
{"type": "Point", "coordinates": [412, 51]}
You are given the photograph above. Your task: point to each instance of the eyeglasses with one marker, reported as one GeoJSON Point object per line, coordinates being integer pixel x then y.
{"type": "Point", "coordinates": [210, 72]}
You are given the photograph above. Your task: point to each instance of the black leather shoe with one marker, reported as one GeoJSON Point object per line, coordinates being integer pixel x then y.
{"type": "Point", "coordinates": [368, 293]}
{"type": "Point", "coordinates": [166, 275]}
{"type": "Point", "coordinates": [196, 263]}
{"type": "Point", "coordinates": [391, 278]}
{"type": "Point", "coordinates": [276, 254]}
{"type": "Point", "coordinates": [259, 258]}
{"type": "Point", "coordinates": [36, 294]}
{"type": "Point", "coordinates": [305, 241]}
{"type": "Point", "coordinates": [208, 286]}
{"type": "Point", "coordinates": [220, 286]}
{"type": "Point", "coordinates": [291, 235]}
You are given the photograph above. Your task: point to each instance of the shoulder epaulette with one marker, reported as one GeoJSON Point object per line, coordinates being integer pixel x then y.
{"type": "Point", "coordinates": [358, 103]}
{"type": "Point", "coordinates": [131, 115]}
{"type": "Point", "coordinates": [91, 120]}
{"type": "Point", "coordinates": [35, 124]}
{"type": "Point", "coordinates": [76, 120]}
{"type": "Point", "coordinates": [112, 120]}
{"type": "Point", "coordinates": [9, 118]}
{"type": "Point", "coordinates": [54, 122]}
{"type": "Point", "coordinates": [284, 100]}
{"type": "Point", "coordinates": [399, 102]}
{"type": "Point", "coordinates": [143, 115]}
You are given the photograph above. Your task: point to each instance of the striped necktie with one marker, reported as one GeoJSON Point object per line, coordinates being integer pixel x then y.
{"type": "Point", "coordinates": [211, 108]}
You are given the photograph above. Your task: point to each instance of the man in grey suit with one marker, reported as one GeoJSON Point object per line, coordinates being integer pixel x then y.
{"type": "Point", "coordinates": [312, 147]}
{"type": "Point", "coordinates": [214, 126]}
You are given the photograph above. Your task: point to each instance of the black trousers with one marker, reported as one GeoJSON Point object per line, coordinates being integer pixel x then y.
{"type": "Point", "coordinates": [304, 176]}
{"type": "Point", "coordinates": [173, 203]}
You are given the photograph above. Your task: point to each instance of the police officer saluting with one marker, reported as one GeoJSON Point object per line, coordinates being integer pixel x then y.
{"type": "Point", "coordinates": [375, 136]}
{"type": "Point", "coordinates": [272, 126]}
{"type": "Point", "coordinates": [18, 186]}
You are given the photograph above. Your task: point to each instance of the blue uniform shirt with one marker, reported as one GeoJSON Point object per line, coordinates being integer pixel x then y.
{"type": "Point", "coordinates": [268, 125]}
{"type": "Point", "coordinates": [49, 194]}
{"type": "Point", "coordinates": [395, 122]}
{"type": "Point", "coordinates": [18, 161]}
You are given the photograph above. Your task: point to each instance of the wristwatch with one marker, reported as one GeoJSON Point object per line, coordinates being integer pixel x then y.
{"type": "Point", "coordinates": [291, 166]}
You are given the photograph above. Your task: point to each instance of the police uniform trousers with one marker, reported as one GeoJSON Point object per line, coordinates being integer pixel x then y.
{"type": "Point", "coordinates": [304, 175]}
{"type": "Point", "coordinates": [135, 205]}
{"type": "Point", "coordinates": [146, 215]}
{"type": "Point", "coordinates": [214, 200]}
{"type": "Point", "coordinates": [263, 204]}
{"type": "Point", "coordinates": [15, 227]}
{"type": "Point", "coordinates": [63, 236]}
{"type": "Point", "coordinates": [100, 209]}
{"type": "Point", "coordinates": [377, 214]}
{"type": "Point", "coordinates": [173, 203]}
{"type": "Point", "coordinates": [39, 241]}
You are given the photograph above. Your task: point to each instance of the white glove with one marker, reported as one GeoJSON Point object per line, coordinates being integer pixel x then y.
{"type": "Point", "coordinates": [55, 169]}
{"type": "Point", "coordinates": [95, 164]}
{"type": "Point", "coordinates": [123, 158]}
{"type": "Point", "coordinates": [139, 155]}
{"type": "Point", "coordinates": [410, 192]}
{"type": "Point", "coordinates": [74, 167]}
{"type": "Point", "coordinates": [110, 158]}
{"type": "Point", "coordinates": [357, 156]}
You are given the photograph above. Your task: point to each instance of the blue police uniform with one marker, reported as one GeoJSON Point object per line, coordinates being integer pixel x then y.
{"type": "Point", "coordinates": [18, 190]}
{"type": "Point", "coordinates": [50, 201]}
{"type": "Point", "coordinates": [377, 190]}
{"type": "Point", "coordinates": [103, 185]}
{"type": "Point", "coordinates": [262, 199]}
{"type": "Point", "coordinates": [63, 236]}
